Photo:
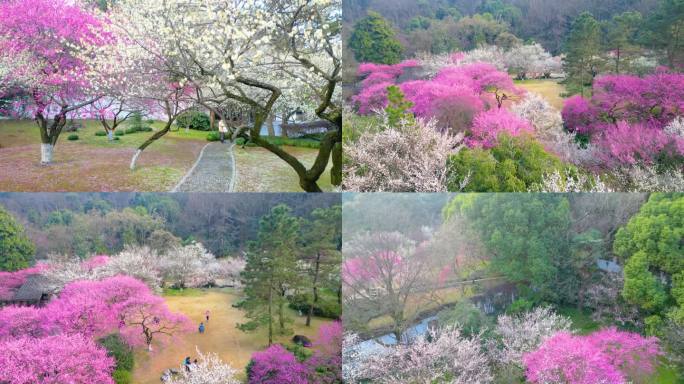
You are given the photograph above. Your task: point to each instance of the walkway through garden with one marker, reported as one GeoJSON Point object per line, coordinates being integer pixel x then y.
{"type": "Point", "coordinates": [214, 170]}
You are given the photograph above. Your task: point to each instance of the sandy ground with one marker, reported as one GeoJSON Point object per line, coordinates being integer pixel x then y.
{"type": "Point", "coordinates": [221, 335]}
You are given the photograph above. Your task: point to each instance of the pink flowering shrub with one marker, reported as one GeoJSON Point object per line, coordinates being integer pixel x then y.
{"type": "Point", "coordinates": [578, 114]}
{"type": "Point", "coordinates": [276, 365]}
{"type": "Point", "coordinates": [489, 124]}
{"type": "Point", "coordinates": [20, 321]}
{"type": "Point", "coordinates": [325, 364]}
{"type": "Point", "coordinates": [656, 99]}
{"type": "Point", "coordinates": [56, 359]}
{"type": "Point", "coordinates": [627, 118]}
{"type": "Point", "coordinates": [452, 97]}
{"type": "Point", "coordinates": [606, 356]}
{"type": "Point", "coordinates": [622, 143]}
{"type": "Point", "coordinates": [632, 353]}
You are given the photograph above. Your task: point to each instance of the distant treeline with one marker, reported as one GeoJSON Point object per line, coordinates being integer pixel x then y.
{"type": "Point", "coordinates": [544, 21]}
{"type": "Point", "coordinates": [84, 223]}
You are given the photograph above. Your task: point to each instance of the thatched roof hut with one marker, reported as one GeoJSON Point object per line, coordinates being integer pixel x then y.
{"type": "Point", "coordinates": [36, 290]}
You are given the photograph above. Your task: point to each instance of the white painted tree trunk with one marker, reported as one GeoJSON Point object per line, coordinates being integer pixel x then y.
{"type": "Point", "coordinates": [46, 153]}
{"type": "Point", "coordinates": [135, 159]}
{"type": "Point", "coordinates": [110, 135]}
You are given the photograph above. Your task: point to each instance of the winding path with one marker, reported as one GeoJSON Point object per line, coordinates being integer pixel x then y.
{"type": "Point", "coordinates": [214, 170]}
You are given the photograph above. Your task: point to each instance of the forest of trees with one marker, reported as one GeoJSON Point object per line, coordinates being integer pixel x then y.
{"type": "Point", "coordinates": [513, 283]}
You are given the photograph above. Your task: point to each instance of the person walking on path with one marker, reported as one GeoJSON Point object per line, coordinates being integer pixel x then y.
{"type": "Point", "coordinates": [223, 129]}
{"type": "Point", "coordinates": [201, 328]}
{"type": "Point", "coordinates": [206, 314]}
{"type": "Point", "coordinates": [187, 363]}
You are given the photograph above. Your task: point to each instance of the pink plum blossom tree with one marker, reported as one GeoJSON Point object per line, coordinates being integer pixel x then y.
{"type": "Point", "coordinates": [52, 43]}
{"type": "Point", "coordinates": [387, 271]}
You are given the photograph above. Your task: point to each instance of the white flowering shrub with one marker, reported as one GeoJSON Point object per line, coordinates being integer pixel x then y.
{"type": "Point", "coordinates": [441, 356]}
{"type": "Point", "coordinates": [647, 178]}
{"type": "Point", "coordinates": [563, 181]}
{"type": "Point", "coordinates": [209, 369]}
{"type": "Point", "coordinates": [409, 158]}
{"type": "Point", "coordinates": [548, 127]}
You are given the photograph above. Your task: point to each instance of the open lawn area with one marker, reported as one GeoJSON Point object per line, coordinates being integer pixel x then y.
{"type": "Point", "coordinates": [221, 336]}
{"type": "Point", "coordinates": [551, 90]}
{"type": "Point", "coordinates": [260, 170]}
{"type": "Point", "coordinates": [92, 163]}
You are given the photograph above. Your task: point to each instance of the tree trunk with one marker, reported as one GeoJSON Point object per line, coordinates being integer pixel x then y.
{"type": "Point", "coordinates": [46, 151]}
{"type": "Point", "coordinates": [283, 131]}
{"type": "Point", "coordinates": [149, 141]}
{"type": "Point", "coordinates": [281, 315]}
{"type": "Point", "coordinates": [269, 125]}
{"type": "Point", "coordinates": [270, 316]}
{"type": "Point", "coordinates": [49, 136]}
{"type": "Point", "coordinates": [315, 289]}
{"type": "Point", "coordinates": [580, 297]}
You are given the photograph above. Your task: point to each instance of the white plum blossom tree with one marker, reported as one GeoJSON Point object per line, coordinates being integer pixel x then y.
{"type": "Point", "coordinates": [524, 333]}
{"type": "Point", "coordinates": [209, 369]}
{"type": "Point", "coordinates": [139, 262]}
{"type": "Point", "coordinates": [187, 265]}
{"type": "Point", "coordinates": [252, 53]}
{"type": "Point", "coordinates": [530, 60]}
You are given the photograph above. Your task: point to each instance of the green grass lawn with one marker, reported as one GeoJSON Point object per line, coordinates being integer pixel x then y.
{"type": "Point", "coordinates": [222, 337]}
{"type": "Point", "coordinates": [260, 170]}
{"type": "Point", "coordinates": [551, 90]}
{"type": "Point", "coordinates": [94, 163]}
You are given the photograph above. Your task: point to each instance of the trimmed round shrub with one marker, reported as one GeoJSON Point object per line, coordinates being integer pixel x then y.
{"type": "Point", "coordinates": [324, 308]}
{"type": "Point", "coordinates": [515, 164]}
{"type": "Point", "coordinates": [100, 133]}
{"type": "Point", "coordinates": [194, 120]}
{"type": "Point", "coordinates": [119, 133]}
{"type": "Point", "coordinates": [146, 129]}
{"type": "Point", "coordinates": [213, 136]}
{"type": "Point", "coordinates": [72, 137]}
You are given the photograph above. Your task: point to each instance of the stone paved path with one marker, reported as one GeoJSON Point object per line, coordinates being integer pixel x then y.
{"type": "Point", "coordinates": [214, 170]}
